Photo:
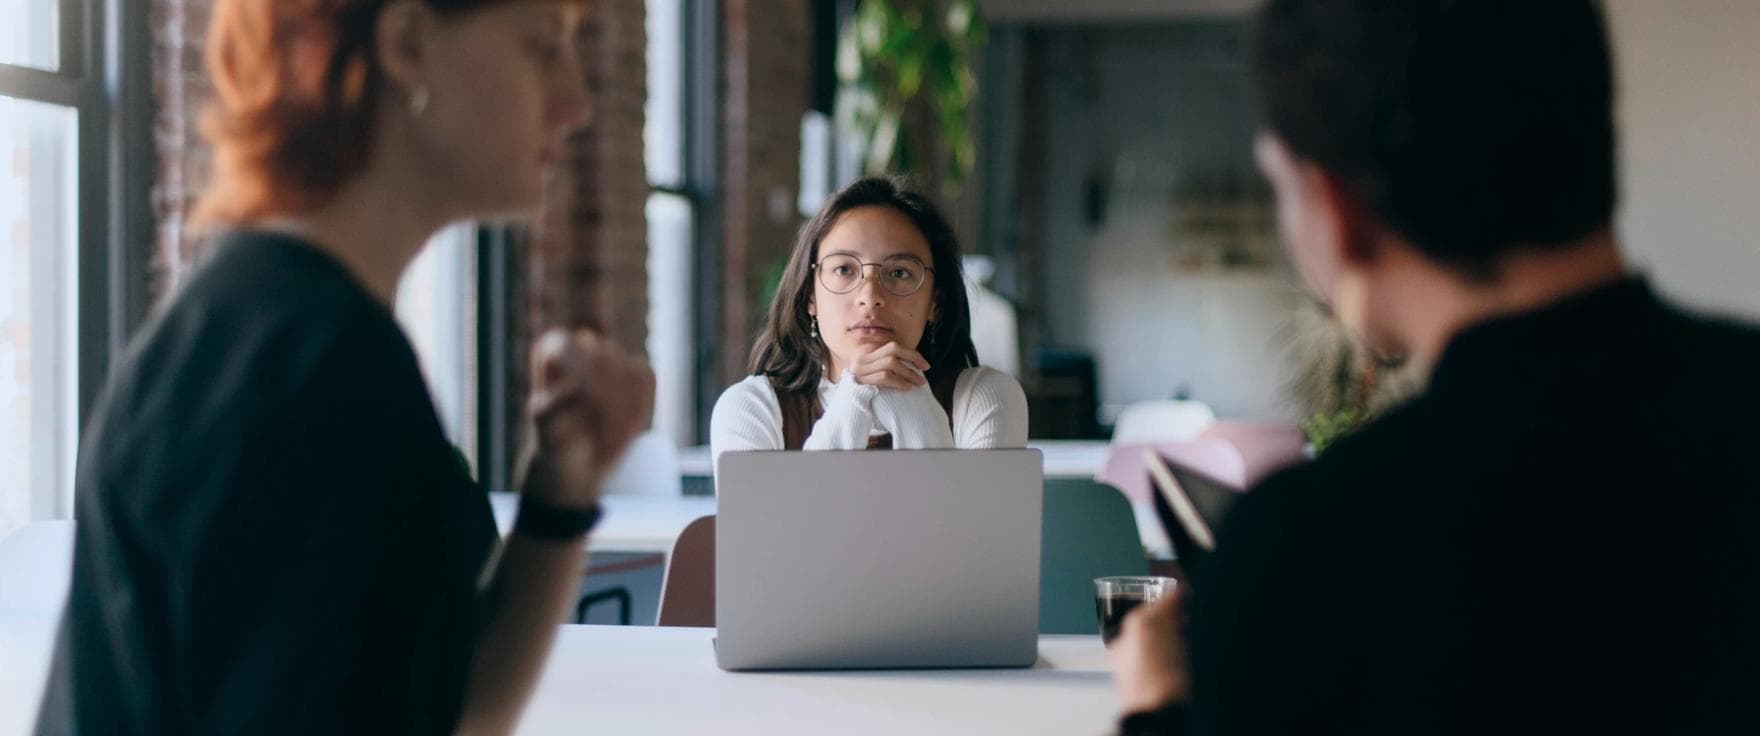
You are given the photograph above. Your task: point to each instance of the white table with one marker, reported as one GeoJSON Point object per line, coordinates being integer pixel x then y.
{"type": "Point", "coordinates": [27, 639]}
{"type": "Point", "coordinates": [647, 680]}
{"type": "Point", "coordinates": [607, 679]}
{"type": "Point", "coordinates": [1072, 458]}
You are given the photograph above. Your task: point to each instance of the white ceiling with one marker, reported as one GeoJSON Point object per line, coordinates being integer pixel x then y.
{"type": "Point", "coordinates": [1065, 11]}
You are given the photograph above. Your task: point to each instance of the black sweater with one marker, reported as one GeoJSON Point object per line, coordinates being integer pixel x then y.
{"type": "Point", "coordinates": [274, 535]}
{"type": "Point", "coordinates": [1557, 537]}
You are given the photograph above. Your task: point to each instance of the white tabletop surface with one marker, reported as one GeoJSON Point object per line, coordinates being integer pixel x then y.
{"type": "Point", "coordinates": [648, 680]}
{"type": "Point", "coordinates": [1072, 458]}
{"type": "Point", "coordinates": [26, 641]}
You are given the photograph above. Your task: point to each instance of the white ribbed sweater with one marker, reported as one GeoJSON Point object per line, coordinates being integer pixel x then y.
{"type": "Point", "coordinates": [989, 411]}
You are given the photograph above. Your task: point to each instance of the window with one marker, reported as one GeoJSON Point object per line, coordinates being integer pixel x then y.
{"type": "Point", "coordinates": [38, 309]}
{"type": "Point", "coordinates": [678, 142]}
{"type": "Point", "coordinates": [47, 109]}
{"type": "Point", "coordinates": [437, 306]}
{"type": "Point", "coordinates": [664, 135]}
{"type": "Point", "coordinates": [30, 33]}
{"type": "Point", "coordinates": [75, 173]}
{"type": "Point", "coordinates": [670, 229]}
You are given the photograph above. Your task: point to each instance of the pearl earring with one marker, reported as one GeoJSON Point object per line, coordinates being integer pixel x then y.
{"type": "Point", "coordinates": [815, 326]}
{"type": "Point", "coordinates": [418, 101]}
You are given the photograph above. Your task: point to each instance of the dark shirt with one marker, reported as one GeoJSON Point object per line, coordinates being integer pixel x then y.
{"type": "Point", "coordinates": [274, 535]}
{"type": "Point", "coordinates": [1556, 537]}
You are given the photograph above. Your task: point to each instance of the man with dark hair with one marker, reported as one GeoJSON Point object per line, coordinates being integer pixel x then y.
{"type": "Point", "coordinates": [1555, 536]}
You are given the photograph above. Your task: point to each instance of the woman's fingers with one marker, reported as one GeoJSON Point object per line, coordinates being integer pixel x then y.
{"type": "Point", "coordinates": [893, 375]}
{"type": "Point", "coordinates": [895, 362]}
{"type": "Point", "coordinates": [899, 351]}
{"type": "Point", "coordinates": [896, 374]}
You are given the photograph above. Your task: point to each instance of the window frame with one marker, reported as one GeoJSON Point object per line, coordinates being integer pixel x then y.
{"type": "Point", "coordinates": [498, 269]}
{"type": "Point", "coordinates": [699, 188]}
{"type": "Point", "coordinates": [104, 74]}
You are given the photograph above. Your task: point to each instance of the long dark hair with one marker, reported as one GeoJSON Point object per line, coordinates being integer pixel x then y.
{"type": "Point", "coordinates": [794, 360]}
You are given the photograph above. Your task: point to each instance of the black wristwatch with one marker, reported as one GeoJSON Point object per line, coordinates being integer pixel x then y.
{"type": "Point", "coordinates": [540, 519]}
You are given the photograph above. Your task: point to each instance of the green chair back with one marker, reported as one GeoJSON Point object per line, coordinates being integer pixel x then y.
{"type": "Point", "coordinates": [1089, 531]}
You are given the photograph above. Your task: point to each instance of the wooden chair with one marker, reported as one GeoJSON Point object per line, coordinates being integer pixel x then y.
{"type": "Point", "coordinates": [687, 595]}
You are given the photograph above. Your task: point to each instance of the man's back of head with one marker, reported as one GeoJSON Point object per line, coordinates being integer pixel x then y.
{"type": "Point", "coordinates": [1468, 126]}
{"type": "Point", "coordinates": [1555, 534]}
{"type": "Point", "coordinates": [1438, 162]}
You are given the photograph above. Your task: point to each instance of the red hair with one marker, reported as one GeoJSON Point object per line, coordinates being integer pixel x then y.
{"type": "Point", "coordinates": [297, 89]}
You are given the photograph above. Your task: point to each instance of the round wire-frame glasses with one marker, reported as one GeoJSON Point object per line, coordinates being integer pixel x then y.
{"type": "Point", "coordinates": [902, 275]}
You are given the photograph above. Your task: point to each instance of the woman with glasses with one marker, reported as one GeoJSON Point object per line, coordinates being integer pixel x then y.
{"type": "Point", "coordinates": [868, 343]}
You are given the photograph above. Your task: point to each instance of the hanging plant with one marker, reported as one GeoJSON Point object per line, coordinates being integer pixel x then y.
{"type": "Point", "coordinates": [906, 87]}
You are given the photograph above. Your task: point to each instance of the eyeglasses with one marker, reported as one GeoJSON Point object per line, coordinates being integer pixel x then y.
{"type": "Point", "coordinates": [900, 275]}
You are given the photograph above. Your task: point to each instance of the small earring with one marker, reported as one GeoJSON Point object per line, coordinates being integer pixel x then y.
{"type": "Point", "coordinates": [815, 327]}
{"type": "Point", "coordinates": [418, 101]}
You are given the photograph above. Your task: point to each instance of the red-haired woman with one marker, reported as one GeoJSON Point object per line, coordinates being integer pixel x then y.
{"type": "Point", "coordinates": [273, 534]}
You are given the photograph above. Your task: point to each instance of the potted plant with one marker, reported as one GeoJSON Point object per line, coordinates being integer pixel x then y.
{"type": "Point", "coordinates": [906, 87]}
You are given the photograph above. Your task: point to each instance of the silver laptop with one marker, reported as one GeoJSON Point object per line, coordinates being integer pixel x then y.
{"type": "Point", "coordinates": [877, 559]}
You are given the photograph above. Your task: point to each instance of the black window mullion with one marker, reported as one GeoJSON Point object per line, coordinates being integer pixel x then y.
{"type": "Point", "coordinates": [98, 275]}
{"type": "Point", "coordinates": [131, 110]}
{"type": "Point", "coordinates": [79, 39]}
{"type": "Point", "coordinates": [55, 88]}
{"type": "Point", "coordinates": [495, 412]}
{"type": "Point", "coordinates": [702, 172]}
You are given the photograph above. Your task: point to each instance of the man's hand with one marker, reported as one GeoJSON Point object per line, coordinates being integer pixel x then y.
{"type": "Point", "coordinates": [1149, 656]}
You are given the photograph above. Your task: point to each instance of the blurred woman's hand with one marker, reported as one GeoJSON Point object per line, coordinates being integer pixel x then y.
{"type": "Point", "coordinates": [589, 402]}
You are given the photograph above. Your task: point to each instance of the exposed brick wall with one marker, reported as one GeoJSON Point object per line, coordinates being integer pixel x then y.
{"type": "Point", "coordinates": [765, 77]}
{"type": "Point", "coordinates": [587, 260]}
{"type": "Point", "coordinates": [589, 263]}
{"type": "Point", "coordinates": [180, 88]}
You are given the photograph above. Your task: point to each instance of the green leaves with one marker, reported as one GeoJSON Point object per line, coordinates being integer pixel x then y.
{"type": "Point", "coordinates": [1324, 429]}
{"type": "Point", "coordinates": [906, 85]}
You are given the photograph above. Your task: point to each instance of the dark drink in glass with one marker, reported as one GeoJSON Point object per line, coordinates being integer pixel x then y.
{"type": "Point", "coordinates": [1116, 596]}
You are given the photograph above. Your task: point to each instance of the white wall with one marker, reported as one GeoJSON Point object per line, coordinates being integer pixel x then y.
{"type": "Point", "coordinates": [1145, 107]}
{"type": "Point", "coordinates": [1690, 116]}
{"type": "Point", "coordinates": [1222, 337]}
{"type": "Point", "coordinates": [1142, 102]}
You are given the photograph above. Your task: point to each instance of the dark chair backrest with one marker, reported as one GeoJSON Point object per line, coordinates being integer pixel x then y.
{"type": "Point", "coordinates": [1089, 531]}
{"type": "Point", "coordinates": [687, 596]}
